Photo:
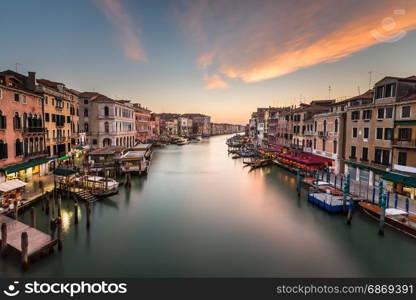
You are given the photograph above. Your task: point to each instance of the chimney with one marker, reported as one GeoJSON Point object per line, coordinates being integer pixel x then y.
{"type": "Point", "coordinates": [31, 81]}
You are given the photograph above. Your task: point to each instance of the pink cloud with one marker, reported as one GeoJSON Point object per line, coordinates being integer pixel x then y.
{"type": "Point", "coordinates": [260, 40]}
{"type": "Point", "coordinates": [214, 82]}
{"type": "Point", "coordinates": [127, 29]}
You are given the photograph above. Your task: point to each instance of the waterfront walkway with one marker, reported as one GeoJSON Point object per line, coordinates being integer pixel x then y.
{"type": "Point", "coordinates": [364, 191]}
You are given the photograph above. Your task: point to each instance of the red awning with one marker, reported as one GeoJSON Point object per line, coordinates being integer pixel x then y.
{"type": "Point", "coordinates": [306, 158]}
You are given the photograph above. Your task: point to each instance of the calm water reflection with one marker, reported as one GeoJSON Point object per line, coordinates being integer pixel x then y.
{"type": "Point", "coordinates": [200, 213]}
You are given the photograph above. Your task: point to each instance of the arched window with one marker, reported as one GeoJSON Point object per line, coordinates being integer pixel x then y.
{"type": "Point", "coordinates": [86, 127]}
{"type": "Point", "coordinates": [106, 111]}
{"type": "Point", "coordinates": [85, 112]}
{"type": "Point", "coordinates": [17, 124]}
{"type": "Point", "coordinates": [324, 125]}
{"type": "Point", "coordinates": [106, 127]}
{"type": "Point", "coordinates": [3, 121]}
{"type": "Point", "coordinates": [335, 147]}
{"type": "Point", "coordinates": [336, 125]}
{"type": "Point", "coordinates": [107, 142]}
{"type": "Point", "coordinates": [316, 125]}
{"type": "Point", "coordinates": [18, 147]}
{"type": "Point", "coordinates": [3, 150]}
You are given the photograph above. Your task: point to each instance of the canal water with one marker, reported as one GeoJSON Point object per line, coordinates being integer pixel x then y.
{"type": "Point", "coordinates": [200, 213]}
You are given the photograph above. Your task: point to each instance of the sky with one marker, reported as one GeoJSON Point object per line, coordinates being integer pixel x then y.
{"type": "Point", "coordinates": [224, 58]}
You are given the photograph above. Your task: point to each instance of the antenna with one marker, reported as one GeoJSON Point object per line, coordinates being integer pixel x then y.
{"type": "Point", "coordinates": [329, 93]}
{"type": "Point", "coordinates": [359, 90]}
{"type": "Point", "coordinates": [370, 74]}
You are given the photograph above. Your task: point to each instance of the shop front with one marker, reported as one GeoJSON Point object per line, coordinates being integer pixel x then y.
{"type": "Point", "coordinates": [27, 170]}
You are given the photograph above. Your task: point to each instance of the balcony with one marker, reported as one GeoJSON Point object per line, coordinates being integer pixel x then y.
{"type": "Point", "coordinates": [36, 154]}
{"type": "Point", "coordinates": [308, 133]}
{"type": "Point", "coordinates": [404, 144]}
{"type": "Point", "coordinates": [28, 130]}
{"type": "Point", "coordinates": [323, 134]}
{"type": "Point", "coordinates": [59, 139]}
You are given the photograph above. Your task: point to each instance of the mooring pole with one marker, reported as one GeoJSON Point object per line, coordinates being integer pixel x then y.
{"type": "Point", "coordinates": [59, 233]}
{"type": "Point", "coordinates": [349, 216]}
{"type": "Point", "coordinates": [76, 212]}
{"type": "Point", "coordinates": [3, 239]}
{"type": "Point", "coordinates": [33, 217]}
{"type": "Point", "coordinates": [382, 215]}
{"type": "Point", "coordinates": [25, 247]}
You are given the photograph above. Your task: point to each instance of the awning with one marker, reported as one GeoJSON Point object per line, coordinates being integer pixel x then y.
{"type": "Point", "coordinates": [11, 185]}
{"type": "Point", "coordinates": [402, 179]}
{"type": "Point", "coordinates": [394, 177]}
{"type": "Point", "coordinates": [27, 164]}
{"type": "Point", "coordinates": [64, 157]}
{"type": "Point", "coordinates": [63, 172]}
{"type": "Point", "coordinates": [404, 122]}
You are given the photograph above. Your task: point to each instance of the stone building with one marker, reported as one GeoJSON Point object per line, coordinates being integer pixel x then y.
{"type": "Point", "coordinates": [22, 135]}
{"type": "Point", "coordinates": [107, 122]}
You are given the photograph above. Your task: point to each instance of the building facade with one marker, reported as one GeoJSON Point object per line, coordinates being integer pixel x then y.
{"type": "Point", "coordinates": [143, 118]}
{"type": "Point", "coordinates": [107, 122]}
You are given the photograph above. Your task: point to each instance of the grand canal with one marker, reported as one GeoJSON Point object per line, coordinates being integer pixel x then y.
{"type": "Point", "coordinates": [200, 213]}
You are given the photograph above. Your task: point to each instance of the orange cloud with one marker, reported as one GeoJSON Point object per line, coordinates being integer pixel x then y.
{"type": "Point", "coordinates": [214, 82]}
{"type": "Point", "coordinates": [127, 30]}
{"type": "Point", "coordinates": [205, 60]}
{"type": "Point", "coordinates": [256, 41]}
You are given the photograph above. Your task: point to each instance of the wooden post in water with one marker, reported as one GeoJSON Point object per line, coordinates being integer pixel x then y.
{"type": "Point", "coordinates": [298, 181]}
{"type": "Point", "coordinates": [335, 181]}
{"type": "Point", "coordinates": [3, 239]}
{"type": "Point", "coordinates": [48, 204]}
{"type": "Point", "coordinates": [52, 207]}
{"type": "Point", "coordinates": [25, 248]}
{"type": "Point", "coordinates": [59, 205]}
{"type": "Point", "coordinates": [32, 217]}
{"type": "Point", "coordinates": [396, 199]}
{"type": "Point", "coordinates": [382, 215]}
{"type": "Point", "coordinates": [16, 209]}
{"type": "Point", "coordinates": [349, 216]}
{"type": "Point", "coordinates": [88, 210]}
{"type": "Point", "coordinates": [59, 233]}
{"type": "Point", "coordinates": [76, 212]}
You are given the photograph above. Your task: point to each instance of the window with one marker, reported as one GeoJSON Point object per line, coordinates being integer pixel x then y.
{"type": "Point", "coordinates": [386, 157]}
{"type": "Point", "coordinates": [379, 133]}
{"type": "Point", "coordinates": [106, 127]}
{"type": "Point", "coordinates": [323, 145]}
{"type": "Point", "coordinates": [355, 115]}
{"type": "Point", "coordinates": [3, 150]}
{"type": "Point", "coordinates": [46, 99]}
{"type": "Point", "coordinates": [406, 112]}
{"type": "Point", "coordinates": [106, 111]}
{"type": "Point", "coordinates": [85, 101]}
{"type": "Point", "coordinates": [314, 143]}
{"type": "Point", "coordinates": [364, 157]}
{"type": "Point", "coordinates": [68, 119]}
{"type": "Point", "coordinates": [353, 151]}
{"type": "Point", "coordinates": [389, 112]}
{"type": "Point", "coordinates": [366, 132]}
{"type": "Point", "coordinates": [18, 147]}
{"type": "Point", "coordinates": [94, 142]}
{"type": "Point", "coordinates": [405, 134]}
{"type": "Point", "coordinates": [380, 113]}
{"type": "Point", "coordinates": [388, 134]}
{"type": "Point", "coordinates": [85, 112]}
{"type": "Point", "coordinates": [3, 121]}
{"type": "Point", "coordinates": [335, 147]}
{"type": "Point", "coordinates": [402, 159]}
{"type": "Point", "coordinates": [354, 132]}
{"type": "Point", "coordinates": [24, 100]}
{"type": "Point", "coordinates": [86, 127]}
{"type": "Point", "coordinates": [379, 92]}
{"type": "Point", "coordinates": [17, 123]}
{"type": "Point", "coordinates": [53, 118]}
{"type": "Point", "coordinates": [367, 114]}
{"type": "Point", "coordinates": [46, 117]}
{"type": "Point", "coordinates": [390, 90]}
{"type": "Point", "coordinates": [377, 156]}
{"type": "Point", "coordinates": [16, 97]}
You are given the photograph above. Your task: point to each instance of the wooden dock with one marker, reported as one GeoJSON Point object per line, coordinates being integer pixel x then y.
{"type": "Point", "coordinates": [27, 240]}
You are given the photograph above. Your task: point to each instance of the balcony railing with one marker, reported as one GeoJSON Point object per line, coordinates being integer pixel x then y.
{"type": "Point", "coordinates": [37, 153]}
{"type": "Point", "coordinates": [33, 129]}
{"type": "Point", "coordinates": [407, 144]}
{"type": "Point", "coordinates": [60, 139]}
{"type": "Point", "coordinates": [322, 133]}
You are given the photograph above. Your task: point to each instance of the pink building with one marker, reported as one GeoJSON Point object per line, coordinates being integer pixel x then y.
{"type": "Point", "coordinates": [143, 123]}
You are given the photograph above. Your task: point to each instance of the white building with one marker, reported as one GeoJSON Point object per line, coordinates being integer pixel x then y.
{"type": "Point", "coordinates": [107, 122]}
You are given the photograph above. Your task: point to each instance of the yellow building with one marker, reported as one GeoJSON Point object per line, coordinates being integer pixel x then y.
{"type": "Point", "coordinates": [61, 117]}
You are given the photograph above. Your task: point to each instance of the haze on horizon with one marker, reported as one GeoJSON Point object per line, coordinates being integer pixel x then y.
{"type": "Point", "coordinates": [221, 57]}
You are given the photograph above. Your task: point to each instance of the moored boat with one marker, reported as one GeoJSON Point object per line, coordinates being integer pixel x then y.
{"type": "Point", "coordinates": [182, 141]}
{"type": "Point", "coordinates": [394, 217]}
{"type": "Point", "coordinates": [98, 186]}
